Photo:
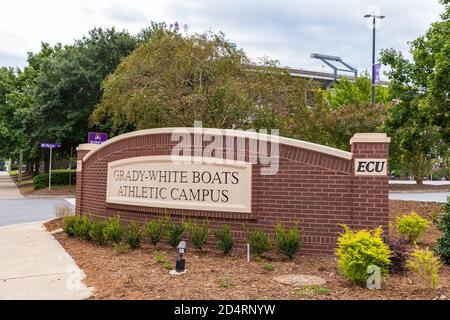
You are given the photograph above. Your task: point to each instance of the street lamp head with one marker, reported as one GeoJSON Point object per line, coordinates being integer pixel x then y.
{"type": "Point", "coordinates": [374, 16]}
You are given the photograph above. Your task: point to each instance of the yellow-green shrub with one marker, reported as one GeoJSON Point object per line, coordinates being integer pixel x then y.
{"type": "Point", "coordinates": [426, 265]}
{"type": "Point", "coordinates": [412, 226]}
{"type": "Point", "coordinates": [357, 250]}
{"type": "Point", "coordinates": [69, 223]}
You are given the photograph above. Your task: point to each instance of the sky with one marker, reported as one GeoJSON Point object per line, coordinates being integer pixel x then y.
{"type": "Point", "coordinates": [285, 30]}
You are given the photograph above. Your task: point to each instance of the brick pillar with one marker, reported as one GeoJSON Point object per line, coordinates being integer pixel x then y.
{"type": "Point", "coordinates": [370, 152]}
{"type": "Point", "coordinates": [82, 150]}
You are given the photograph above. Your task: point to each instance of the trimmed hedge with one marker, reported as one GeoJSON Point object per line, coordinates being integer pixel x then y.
{"type": "Point", "coordinates": [59, 178]}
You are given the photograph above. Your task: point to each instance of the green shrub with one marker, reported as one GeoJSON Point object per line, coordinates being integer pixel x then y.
{"type": "Point", "coordinates": [443, 224]}
{"type": "Point", "coordinates": [173, 231]}
{"type": "Point", "coordinates": [121, 248]}
{"type": "Point", "coordinates": [268, 267]}
{"type": "Point", "coordinates": [68, 225]}
{"type": "Point", "coordinates": [113, 231]}
{"type": "Point", "coordinates": [168, 265]}
{"type": "Point", "coordinates": [132, 234]}
{"type": "Point", "coordinates": [426, 265]}
{"type": "Point", "coordinates": [154, 231]}
{"type": "Point", "coordinates": [224, 238]}
{"type": "Point", "coordinates": [59, 178]}
{"type": "Point", "coordinates": [259, 242]}
{"type": "Point", "coordinates": [357, 250]}
{"type": "Point", "coordinates": [413, 226]}
{"type": "Point", "coordinates": [96, 232]}
{"type": "Point", "coordinates": [198, 234]}
{"type": "Point", "coordinates": [227, 283]}
{"type": "Point", "coordinates": [310, 291]}
{"type": "Point", "coordinates": [160, 257]}
{"type": "Point", "coordinates": [434, 217]}
{"type": "Point", "coordinates": [81, 228]}
{"type": "Point", "coordinates": [288, 242]}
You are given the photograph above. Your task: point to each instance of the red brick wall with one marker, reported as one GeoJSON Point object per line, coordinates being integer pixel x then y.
{"type": "Point", "coordinates": [315, 190]}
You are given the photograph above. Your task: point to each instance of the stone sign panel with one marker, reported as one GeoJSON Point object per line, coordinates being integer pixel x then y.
{"type": "Point", "coordinates": [180, 183]}
{"type": "Point", "coordinates": [370, 167]}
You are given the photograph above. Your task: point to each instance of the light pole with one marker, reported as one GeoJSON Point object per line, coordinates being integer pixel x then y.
{"type": "Point", "coordinates": [374, 17]}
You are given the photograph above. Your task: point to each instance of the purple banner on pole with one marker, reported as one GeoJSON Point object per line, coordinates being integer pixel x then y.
{"type": "Point", "coordinates": [97, 137]}
{"type": "Point", "coordinates": [50, 145]}
{"type": "Point", "coordinates": [376, 73]}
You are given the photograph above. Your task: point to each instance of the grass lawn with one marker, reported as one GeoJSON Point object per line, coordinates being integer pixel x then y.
{"type": "Point", "coordinates": [143, 273]}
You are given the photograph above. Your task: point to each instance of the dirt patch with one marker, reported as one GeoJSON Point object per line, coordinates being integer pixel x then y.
{"type": "Point", "coordinates": [55, 191]}
{"type": "Point", "coordinates": [137, 274]}
{"type": "Point", "coordinates": [54, 224]}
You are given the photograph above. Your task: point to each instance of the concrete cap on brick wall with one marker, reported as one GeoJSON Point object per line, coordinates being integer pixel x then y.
{"type": "Point", "coordinates": [370, 138]}
{"type": "Point", "coordinates": [87, 146]}
{"type": "Point", "coordinates": [235, 133]}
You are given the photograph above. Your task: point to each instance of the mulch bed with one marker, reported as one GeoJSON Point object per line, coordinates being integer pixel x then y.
{"type": "Point", "coordinates": [55, 191]}
{"type": "Point", "coordinates": [26, 188]}
{"type": "Point", "coordinates": [53, 225]}
{"type": "Point", "coordinates": [137, 275]}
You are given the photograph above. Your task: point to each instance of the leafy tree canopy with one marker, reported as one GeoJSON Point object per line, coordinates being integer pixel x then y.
{"type": "Point", "coordinates": [419, 123]}
{"type": "Point", "coordinates": [346, 92]}
{"type": "Point", "coordinates": [175, 79]}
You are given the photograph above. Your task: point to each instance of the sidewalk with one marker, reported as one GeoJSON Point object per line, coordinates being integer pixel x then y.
{"type": "Point", "coordinates": [8, 188]}
{"type": "Point", "coordinates": [33, 265]}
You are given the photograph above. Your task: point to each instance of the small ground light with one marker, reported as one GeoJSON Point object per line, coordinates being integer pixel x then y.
{"type": "Point", "coordinates": [181, 263]}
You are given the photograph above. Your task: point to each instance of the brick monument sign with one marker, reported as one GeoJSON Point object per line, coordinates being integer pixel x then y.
{"type": "Point", "coordinates": [247, 180]}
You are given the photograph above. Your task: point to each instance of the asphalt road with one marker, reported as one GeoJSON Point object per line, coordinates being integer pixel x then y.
{"type": "Point", "coordinates": [24, 210]}
{"type": "Point", "coordinates": [440, 197]}
{"type": "Point", "coordinates": [16, 209]}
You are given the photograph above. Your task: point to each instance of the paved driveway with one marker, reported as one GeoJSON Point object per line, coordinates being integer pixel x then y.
{"type": "Point", "coordinates": [15, 211]}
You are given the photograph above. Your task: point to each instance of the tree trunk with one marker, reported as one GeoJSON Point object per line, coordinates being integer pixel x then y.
{"type": "Point", "coordinates": [37, 166]}
{"type": "Point", "coordinates": [46, 162]}
{"type": "Point", "coordinates": [29, 167]}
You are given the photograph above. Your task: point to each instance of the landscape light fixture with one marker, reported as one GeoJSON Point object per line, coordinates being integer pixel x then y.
{"type": "Point", "coordinates": [181, 263]}
{"type": "Point", "coordinates": [374, 17]}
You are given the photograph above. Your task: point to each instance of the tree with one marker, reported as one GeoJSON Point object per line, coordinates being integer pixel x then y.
{"type": "Point", "coordinates": [350, 110]}
{"type": "Point", "coordinates": [346, 92]}
{"type": "Point", "coordinates": [52, 98]}
{"type": "Point", "coordinates": [17, 120]}
{"type": "Point", "coordinates": [344, 122]}
{"type": "Point", "coordinates": [8, 83]}
{"type": "Point", "coordinates": [175, 79]}
{"type": "Point", "coordinates": [419, 123]}
{"type": "Point", "coordinates": [69, 85]}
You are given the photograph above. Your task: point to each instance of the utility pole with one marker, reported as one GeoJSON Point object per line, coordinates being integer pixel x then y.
{"type": "Point", "coordinates": [374, 17]}
{"type": "Point", "coordinates": [50, 171]}
{"type": "Point", "coordinates": [50, 146]}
